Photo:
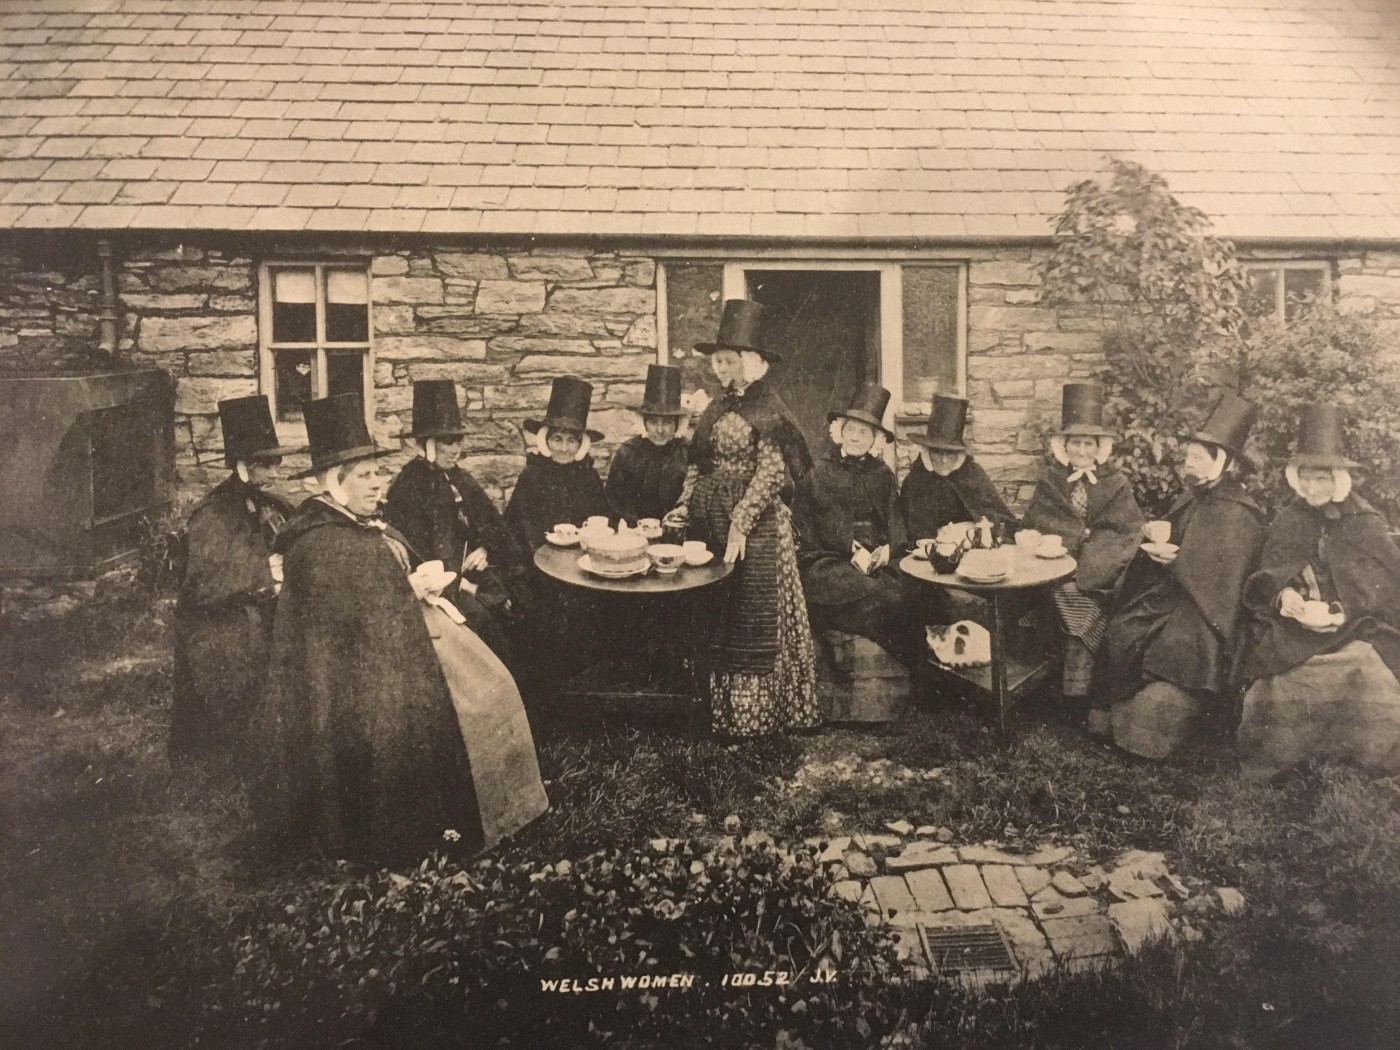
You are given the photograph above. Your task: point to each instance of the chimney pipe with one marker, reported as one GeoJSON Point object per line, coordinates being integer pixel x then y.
{"type": "Point", "coordinates": [107, 316]}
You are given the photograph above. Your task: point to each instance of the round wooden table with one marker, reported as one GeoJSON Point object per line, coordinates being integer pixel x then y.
{"type": "Point", "coordinates": [1006, 679]}
{"type": "Point", "coordinates": [677, 638]}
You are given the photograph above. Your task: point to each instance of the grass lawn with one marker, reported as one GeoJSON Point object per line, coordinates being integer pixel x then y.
{"type": "Point", "coordinates": [127, 892]}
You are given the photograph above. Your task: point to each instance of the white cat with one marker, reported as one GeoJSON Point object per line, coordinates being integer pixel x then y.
{"type": "Point", "coordinates": [964, 644]}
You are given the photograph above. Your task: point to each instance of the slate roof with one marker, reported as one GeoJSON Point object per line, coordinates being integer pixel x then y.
{"type": "Point", "coordinates": [823, 119]}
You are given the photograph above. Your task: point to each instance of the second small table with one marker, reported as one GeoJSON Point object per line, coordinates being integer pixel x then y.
{"type": "Point", "coordinates": [1006, 679]}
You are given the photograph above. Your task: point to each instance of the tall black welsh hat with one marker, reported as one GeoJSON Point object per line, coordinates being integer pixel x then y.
{"type": "Point", "coordinates": [1320, 444]}
{"type": "Point", "coordinates": [663, 394]}
{"type": "Point", "coordinates": [1228, 426]}
{"type": "Point", "coordinates": [740, 328]}
{"type": "Point", "coordinates": [436, 413]}
{"type": "Point", "coordinates": [336, 429]}
{"type": "Point", "coordinates": [1081, 411]}
{"type": "Point", "coordinates": [868, 406]}
{"type": "Point", "coordinates": [569, 401]}
{"type": "Point", "coordinates": [945, 425]}
{"type": "Point", "coordinates": [246, 423]}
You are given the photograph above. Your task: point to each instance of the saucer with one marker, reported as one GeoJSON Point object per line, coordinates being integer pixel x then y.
{"type": "Point", "coordinates": [586, 564]}
{"type": "Point", "coordinates": [560, 541]}
{"type": "Point", "coordinates": [995, 578]}
{"type": "Point", "coordinates": [1061, 553]}
{"type": "Point", "coordinates": [704, 559]}
{"type": "Point", "coordinates": [1160, 548]}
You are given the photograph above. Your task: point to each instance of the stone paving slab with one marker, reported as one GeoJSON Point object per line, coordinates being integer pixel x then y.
{"type": "Point", "coordinates": [1003, 885]}
{"type": "Point", "coordinates": [1139, 922]}
{"type": "Point", "coordinates": [921, 855]}
{"type": "Point", "coordinates": [966, 886]}
{"type": "Point", "coordinates": [1058, 907]}
{"type": "Point", "coordinates": [1032, 880]}
{"type": "Point", "coordinates": [930, 891]}
{"type": "Point", "coordinates": [892, 892]}
{"type": "Point", "coordinates": [1068, 884]}
{"type": "Point", "coordinates": [1081, 936]}
{"type": "Point", "coordinates": [987, 855]}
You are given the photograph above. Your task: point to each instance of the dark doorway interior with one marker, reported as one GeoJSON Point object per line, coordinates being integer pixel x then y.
{"type": "Point", "coordinates": [826, 325]}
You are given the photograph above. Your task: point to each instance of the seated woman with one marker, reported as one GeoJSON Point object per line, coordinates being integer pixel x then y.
{"type": "Point", "coordinates": [385, 722]}
{"type": "Point", "coordinates": [444, 515]}
{"type": "Point", "coordinates": [1325, 650]}
{"type": "Point", "coordinates": [1083, 499]}
{"type": "Point", "coordinates": [1172, 639]}
{"type": "Point", "coordinates": [648, 471]}
{"type": "Point", "coordinates": [223, 616]}
{"type": "Point", "coordinates": [946, 485]}
{"type": "Point", "coordinates": [849, 499]}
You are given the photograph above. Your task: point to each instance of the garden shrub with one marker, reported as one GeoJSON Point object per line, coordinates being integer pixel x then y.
{"type": "Point", "coordinates": [453, 956]}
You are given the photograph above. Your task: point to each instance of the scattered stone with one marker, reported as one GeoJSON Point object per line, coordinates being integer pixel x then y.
{"type": "Point", "coordinates": [1004, 887]}
{"type": "Point", "coordinates": [859, 865]}
{"type": "Point", "coordinates": [929, 890]}
{"type": "Point", "coordinates": [1081, 936]}
{"type": "Point", "coordinates": [1068, 884]}
{"type": "Point", "coordinates": [1127, 884]}
{"type": "Point", "coordinates": [847, 889]}
{"type": "Point", "coordinates": [1123, 811]}
{"type": "Point", "coordinates": [835, 849]}
{"type": "Point", "coordinates": [988, 855]}
{"type": "Point", "coordinates": [1049, 856]}
{"type": "Point", "coordinates": [943, 835]}
{"type": "Point", "coordinates": [872, 841]}
{"type": "Point", "coordinates": [839, 871]}
{"type": "Point", "coordinates": [662, 845]}
{"type": "Point", "coordinates": [918, 855]}
{"type": "Point", "coordinates": [893, 894]}
{"type": "Point", "coordinates": [1231, 900]}
{"type": "Point", "coordinates": [965, 884]}
{"type": "Point", "coordinates": [1141, 921]}
{"type": "Point", "coordinates": [832, 820]}
{"type": "Point", "coordinates": [1092, 880]}
{"type": "Point", "coordinates": [933, 774]}
{"type": "Point", "coordinates": [1149, 865]}
{"type": "Point", "coordinates": [1059, 907]}
{"type": "Point", "coordinates": [731, 822]}
{"type": "Point", "coordinates": [925, 831]}
{"type": "Point", "coordinates": [1176, 887]}
{"type": "Point", "coordinates": [758, 838]}
{"type": "Point", "coordinates": [900, 827]}
{"type": "Point", "coordinates": [1033, 880]}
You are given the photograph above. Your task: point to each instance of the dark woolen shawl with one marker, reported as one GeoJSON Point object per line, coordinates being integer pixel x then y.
{"type": "Point", "coordinates": [1181, 623]}
{"type": "Point", "coordinates": [223, 615]}
{"type": "Point", "coordinates": [1108, 537]}
{"type": "Point", "coordinates": [771, 420]}
{"type": "Point", "coordinates": [1362, 565]}
{"type": "Point", "coordinates": [548, 493]}
{"type": "Point", "coordinates": [839, 492]}
{"type": "Point", "coordinates": [444, 514]}
{"type": "Point", "coordinates": [927, 501]}
{"type": "Point", "coordinates": [361, 749]}
{"type": "Point", "coordinates": [645, 479]}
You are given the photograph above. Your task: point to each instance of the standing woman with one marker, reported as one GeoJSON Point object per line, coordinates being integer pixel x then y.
{"type": "Point", "coordinates": [445, 515]}
{"type": "Point", "coordinates": [385, 721]}
{"type": "Point", "coordinates": [223, 616]}
{"type": "Point", "coordinates": [746, 450]}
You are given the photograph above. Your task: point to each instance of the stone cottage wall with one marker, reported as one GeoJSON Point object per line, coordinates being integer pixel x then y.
{"type": "Point", "coordinates": [49, 303]}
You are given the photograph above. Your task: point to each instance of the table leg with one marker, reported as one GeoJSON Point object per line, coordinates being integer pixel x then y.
{"type": "Point", "coordinates": [999, 656]}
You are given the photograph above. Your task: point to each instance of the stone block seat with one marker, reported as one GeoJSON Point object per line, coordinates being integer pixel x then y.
{"type": "Point", "coordinates": [857, 681]}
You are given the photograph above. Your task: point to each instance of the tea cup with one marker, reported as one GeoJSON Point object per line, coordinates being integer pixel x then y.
{"type": "Point", "coordinates": [598, 521]}
{"type": "Point", "coordinates": [1028, 540]}
{"type": "Point", "coordinates": [566, 531]}
{"type": "Point", "coordinates": [1051, 546]}
{"type": "Point", "coordinates": [666, 557]}
{"type": "Point", "coordinates": [695, 551]}
{"type": "Point", "coordinates": [649, 527]}
{"type": "Point", "coordinates": [925, 547]}
{"type": "Point", "coordinates": [1158, 531]}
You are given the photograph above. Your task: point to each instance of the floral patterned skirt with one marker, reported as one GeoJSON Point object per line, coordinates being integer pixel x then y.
{"type": "Point", "coordinates": [786, 697]}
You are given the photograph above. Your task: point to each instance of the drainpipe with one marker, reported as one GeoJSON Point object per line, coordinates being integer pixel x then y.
{"type": "Point", "coordinates": [107, 316]}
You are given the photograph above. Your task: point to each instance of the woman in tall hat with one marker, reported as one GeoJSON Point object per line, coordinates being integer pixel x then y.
{"type": "Point", "coordinates": [223, 616]}
{"type": "Point", "coordinates": [746, 450]}
{"type": "Point", "coordinates": [849, 499]}
{"type": "Point", "coordinates": [1084, 499]}
{"type": "Point", "coordinates": [1169, 655]}
{"type": "Point", "coordinates": [648, 471]}
{"type": "Point", "coordinates": [1325, 646]}
{"type": "Point", "coordinates": [559, 483]}
{"type": "Point", "coordinates": [385, 721]}
{"type": "Point", "coordinates": [946, 484]}
{"type": "Point", "coordinates": [445, 515]}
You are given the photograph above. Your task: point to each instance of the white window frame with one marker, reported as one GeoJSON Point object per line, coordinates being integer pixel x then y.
{"type": "Point", "coordinates": [267, 374]}
{"type": "Point", "coordinates": [1281, 265]}
{"type": "Point", "coordinates": [734, 285]}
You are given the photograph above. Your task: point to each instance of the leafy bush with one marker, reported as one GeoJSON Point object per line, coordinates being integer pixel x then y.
{"type": "Point", "coordinates": [452, 956]}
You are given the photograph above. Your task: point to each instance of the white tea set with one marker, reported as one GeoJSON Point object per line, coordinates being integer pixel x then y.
{"type": "Point", "coordinates": [627, 550]}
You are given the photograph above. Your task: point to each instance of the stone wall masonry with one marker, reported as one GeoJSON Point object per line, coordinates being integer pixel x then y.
{"type": "Point", "coordinates": [1369, 284]}
{"type": "Point", "coordinates": [50, 295]}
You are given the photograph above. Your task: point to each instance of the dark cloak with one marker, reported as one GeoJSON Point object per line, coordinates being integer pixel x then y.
{"type": "Point", "coordinates": [1108, 537]}
{"type": "Point", "coordinates": [1181, 623]}
{"type": "Point", "coordinates": [361, 750]}
{"type": "Point", "coordinates": [927, 502]}
{"type": "Point", "coordinates": [548, 493]}
{"type": "Point", "coordinates": [771, 420]}
{"type": "Point", "coordinates": [645, 479]}
{"type": "Point", "coordinates": [1358, 565]}
{"type": "Point", "coordinates": [840, 492]}
{"type": "Point", "coordinates": [444, 515]}
{"type": "Point", "coordinates": [223, 616]}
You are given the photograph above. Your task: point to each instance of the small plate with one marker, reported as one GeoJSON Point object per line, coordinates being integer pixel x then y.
{"type": "Point", "coordinates": [918, 555]}
{"type": "Point", "coordinates": [1160, 548]}
{"type": "Point", "coordinates": [560, 541]}
{"type": "Point", "coordinates": [983, 579]}
{"type": "Point", "coordinates": [586, 564]}
{"type": "Point", "coordinates": [703, 559]}
{"type": "Point", "coordinates": [1063, 552]}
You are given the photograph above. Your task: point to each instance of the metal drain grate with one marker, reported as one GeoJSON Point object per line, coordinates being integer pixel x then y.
{"type": "Point", "coordinates": [959, 949]}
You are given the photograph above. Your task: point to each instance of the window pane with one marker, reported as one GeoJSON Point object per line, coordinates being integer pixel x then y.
{"type": "Point", "coordinates": [930, 332]}
{"type": "Point", "coordinates": [1261, 293]}
{"type": "Point", "coordinates": [347, 306]}
{"type": "Point", "coordinates": [693, 294]}
{"type": "Point", "coordinates": [1300, 288]}
{"type": "Point", "coordinates": [345, 372]}
{"type": "Point", "coordinates": [295, 374]}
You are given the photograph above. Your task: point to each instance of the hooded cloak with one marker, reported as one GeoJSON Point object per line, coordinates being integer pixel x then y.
{"type": "Point", "coordinates": [928, 501]}
{"type": "Point", "coordinates": [645, 479]}
{"type": "Point", "coordinates": [1105, 540]}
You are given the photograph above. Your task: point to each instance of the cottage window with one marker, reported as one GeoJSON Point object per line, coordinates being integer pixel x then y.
{"type": "Point", "coordinates": [314, 333]}
{"type": "Point", "coordinates": [1283, 290]}
{"type": "Point", "coordinates": [900, 322]}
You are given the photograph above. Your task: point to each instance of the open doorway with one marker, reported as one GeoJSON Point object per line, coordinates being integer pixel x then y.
{"type": "Point", "coordinates": [826, 326]}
